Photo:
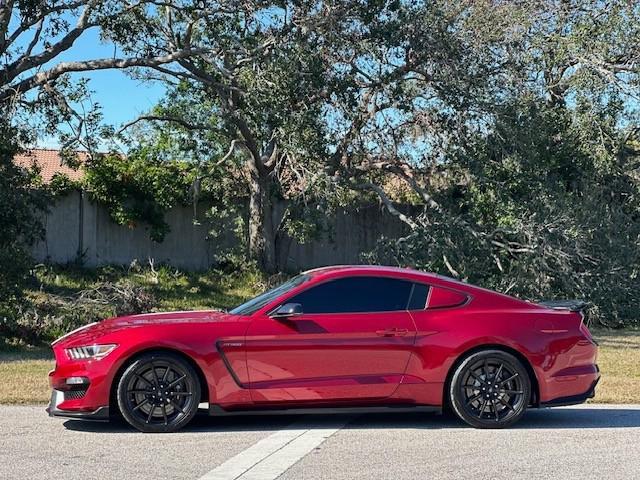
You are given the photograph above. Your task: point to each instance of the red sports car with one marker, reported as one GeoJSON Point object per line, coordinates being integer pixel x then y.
{"type": "Point", "coordinates": [338, 338]}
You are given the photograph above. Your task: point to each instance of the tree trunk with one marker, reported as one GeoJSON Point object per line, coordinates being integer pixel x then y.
{"type": "Point", "coordinates": [261, 234]}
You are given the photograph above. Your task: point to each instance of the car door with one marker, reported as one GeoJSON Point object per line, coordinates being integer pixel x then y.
{"type": "Point", "coordinates": [352, 342]}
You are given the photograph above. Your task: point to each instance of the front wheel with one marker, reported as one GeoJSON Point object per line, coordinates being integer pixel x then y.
{"type": "Point", "coordinates": [158, 392]}
{"type": "Point", "coordinates": [490, 389]}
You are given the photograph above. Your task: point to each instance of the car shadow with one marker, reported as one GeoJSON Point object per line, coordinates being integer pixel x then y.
{"type": "Point", "coordinates": [546, 418]}
{"type": "Point", "coordinates": [201, 423]}
{"type": "Point", "coordinates": [558, 418]}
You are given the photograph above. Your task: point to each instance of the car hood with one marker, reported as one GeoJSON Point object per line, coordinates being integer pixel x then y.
{"type": "Point", "coordinates": [90, 332]}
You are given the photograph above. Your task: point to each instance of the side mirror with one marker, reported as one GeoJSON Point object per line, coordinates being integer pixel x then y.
{"type": "Point", "coordinates": [287, 310]}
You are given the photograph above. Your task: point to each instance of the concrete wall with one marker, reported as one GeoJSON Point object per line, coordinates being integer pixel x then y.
{"type": "Point", "coordinates": [62, 231]}
{"type": "Point", "coordinates": [75, 224]}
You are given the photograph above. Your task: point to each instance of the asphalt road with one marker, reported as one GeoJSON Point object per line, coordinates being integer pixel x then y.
{"type": "Point", "coordinates": [585, 442]}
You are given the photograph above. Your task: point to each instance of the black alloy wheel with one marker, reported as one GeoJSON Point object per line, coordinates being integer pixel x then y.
{"type": "Point", "coordinates": [490, 389]}
{"type": "Point", "coordinates": [158, 392]}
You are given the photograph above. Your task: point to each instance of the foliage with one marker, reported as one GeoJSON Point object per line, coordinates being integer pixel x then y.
{"type": "Point", "coordinates": [484, 112]}
{"type": "Point", "coordinates": [247, 118]}
{"type": "Point", "coordinates": [304, 100]}
{"type": "Point", "coordinates": [537, 218]}
{"type": "Point", "coordinates": [139, 188]}
{"type": "Point", "coordinates": [39, 94]}
{"type": "Point", "coordinates": [21, 208]}
{"type": "Point", "coordinates": [538, 194]}
{"type": "Point", "coordinates": [61, 185]}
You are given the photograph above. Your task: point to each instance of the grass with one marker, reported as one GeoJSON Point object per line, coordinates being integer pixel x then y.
{"type": "Point", "coordinates": [61, 299]}
{"type": "Point", "coordinates": [24, 370]}
{"type": "Point", "coordinates": [173, 289]}
{"type": "Point", "coordinates": [619, 361]}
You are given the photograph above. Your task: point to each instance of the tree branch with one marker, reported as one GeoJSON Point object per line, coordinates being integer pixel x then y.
{"type": "Point", "coordinates": [164, 118]}
{"type": "Point", "coordinates": [88, 65]}
{"type": "Point", "coordinates": [5, 17]}
{"type": "Point", "coordinates": [232, 148]}
{"type": "Point", "coordinates": [388, 203]}
{"type": "Point", "coordinates": [27, 62]}
{"type": "Point", "coordinates": [26, 25]}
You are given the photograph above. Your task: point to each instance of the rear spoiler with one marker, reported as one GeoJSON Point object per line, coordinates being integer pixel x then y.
{"type": "Point", "coordinates": [571, 305]}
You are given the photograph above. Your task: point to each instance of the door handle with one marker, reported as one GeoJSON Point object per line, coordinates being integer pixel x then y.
{"type": "Point", "coordinates": [392, 332]}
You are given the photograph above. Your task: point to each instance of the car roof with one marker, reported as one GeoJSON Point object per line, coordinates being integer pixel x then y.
{"type": "Point", "coordinates": [373, 269]}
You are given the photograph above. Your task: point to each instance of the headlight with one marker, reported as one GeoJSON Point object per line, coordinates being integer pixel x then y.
{"type": "Point", "coordinates": [94, 352]}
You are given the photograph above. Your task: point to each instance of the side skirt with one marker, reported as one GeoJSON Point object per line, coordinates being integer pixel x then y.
{"type": "Point", "coordinates": [218, 411]}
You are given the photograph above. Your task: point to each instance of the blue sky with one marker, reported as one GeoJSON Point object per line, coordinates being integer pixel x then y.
{"type": "Point", "coordinates": [121, 97]}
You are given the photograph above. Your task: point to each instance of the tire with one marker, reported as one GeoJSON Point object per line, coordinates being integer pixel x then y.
{"type": "Point", "coordinates": [484, 401]}
{"type": "Point", "coordinates": [158, 393]}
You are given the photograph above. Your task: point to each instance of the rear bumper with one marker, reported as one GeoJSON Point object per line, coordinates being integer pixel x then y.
{"type": "Point", "coordinates": [569, 372]}
{"type": "Point", "coordinates": [100, 414]}
{"type": "Point", "coordinates": [573, 399]}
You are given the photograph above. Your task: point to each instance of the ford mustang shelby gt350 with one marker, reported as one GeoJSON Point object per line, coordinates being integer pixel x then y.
{"type": "Point", "coordinates": [339, 338]}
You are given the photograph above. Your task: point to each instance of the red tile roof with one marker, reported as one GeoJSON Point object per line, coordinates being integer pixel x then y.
{"type": "Point", "coordinates": [50, 163]}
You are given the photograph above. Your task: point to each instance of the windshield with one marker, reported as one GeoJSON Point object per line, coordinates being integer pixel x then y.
{"type": "Point", "coordinates": [255, 304]}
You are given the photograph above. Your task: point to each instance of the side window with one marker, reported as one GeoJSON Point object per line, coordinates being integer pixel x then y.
{"type": "Point", "coordinates": [418, 300]}
{"type": "Point", "coordinates": [355, 294]}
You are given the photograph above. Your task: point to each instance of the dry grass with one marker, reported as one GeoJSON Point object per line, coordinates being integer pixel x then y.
{"type": "Point", "coordinates": [619, 361]}
{"type": "Point", "coordinates": [24, 370]}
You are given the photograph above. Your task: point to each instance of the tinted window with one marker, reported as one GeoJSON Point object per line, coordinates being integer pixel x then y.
{"type": "Point", "coordinates": [355, 294]}
{"type": "Point", "coordinates": [418, 299]}
{"type": "Point", "coordinates": [260, 301]}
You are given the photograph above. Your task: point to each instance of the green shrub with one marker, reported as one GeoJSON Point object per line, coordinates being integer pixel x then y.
{"type": "Point", "coordinates": [139, 189]}
{"type": "Point", "coordinates": [21, 209]}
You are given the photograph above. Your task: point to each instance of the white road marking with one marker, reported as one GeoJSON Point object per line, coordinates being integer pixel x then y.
{"type": "Point", "coordinates": [272, 456]}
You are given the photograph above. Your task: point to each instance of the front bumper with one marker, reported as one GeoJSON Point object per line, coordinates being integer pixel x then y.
{"type": "Point", "coordinates": [100, 414]}
{"type": "Point", "coordinates": [83, 398]}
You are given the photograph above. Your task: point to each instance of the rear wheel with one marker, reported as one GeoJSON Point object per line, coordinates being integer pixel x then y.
{"type": "Point", "coordinates": [158, 392]}
{"type": "Point", "coordinates": [490, 389]}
